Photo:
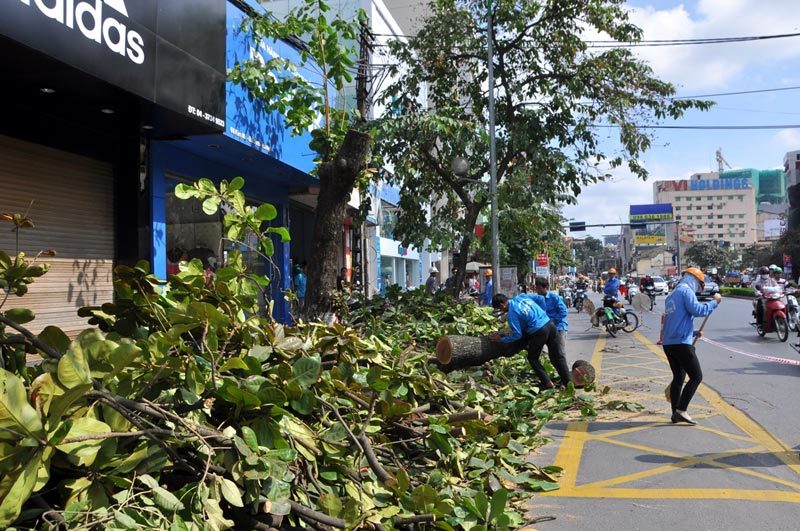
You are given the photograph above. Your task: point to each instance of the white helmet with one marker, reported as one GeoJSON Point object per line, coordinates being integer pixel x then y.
{"type": "Point", "coordinates": [434, 270]}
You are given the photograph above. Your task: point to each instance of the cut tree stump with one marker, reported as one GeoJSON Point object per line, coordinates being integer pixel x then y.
{"type": "Point", "coordinates": [457, 352]}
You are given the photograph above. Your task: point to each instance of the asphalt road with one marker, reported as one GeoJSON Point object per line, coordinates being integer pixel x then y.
{"type": "Point", "coordinates": [737, 470]}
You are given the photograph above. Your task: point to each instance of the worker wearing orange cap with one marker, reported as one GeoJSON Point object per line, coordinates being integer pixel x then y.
{"type": "Point", "coordinates": [681, 307]}
{"type": "Point", "coordinates": [486, 298]}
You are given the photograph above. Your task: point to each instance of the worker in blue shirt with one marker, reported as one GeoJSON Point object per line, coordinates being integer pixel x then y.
{"type": "Point", "coordinates": [531, 328]}
{"type": "Point", "coordinates": [554, 307]}
{"type": "Point", "coordinates": [681, 308]}
{"type": "Point", "coordinates": [488, 292]}
{"type": "Point", "coordinates": [611, 289]}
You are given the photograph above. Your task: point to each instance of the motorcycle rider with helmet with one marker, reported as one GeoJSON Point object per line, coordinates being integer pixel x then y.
{"type": "Point", "coordinates": [763, 281]}
{"type": "Point", "coordinates": [777, 275]}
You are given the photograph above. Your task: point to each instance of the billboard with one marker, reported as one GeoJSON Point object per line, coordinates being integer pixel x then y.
{"type": "Point", "coordinates": [686, 185]}
{"type": "Point", "coordinates": [652, 233]}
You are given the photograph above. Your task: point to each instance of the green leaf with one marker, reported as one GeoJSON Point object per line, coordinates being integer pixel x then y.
{"type": "Point", "coordinates": [211, 205]}
{"type": "Point", "coordinates": [482, 503]}
{"type": "Point", "coordinates": [306, 371]}
{"type": "Point", "coordinates": [85, 451]}
{"type": "Point", "coordinates": [17, 418]}
{"type": "Point", "coordinates": [15, 489]}
{"type": "Point", "coordinates": [330, 504]}
{"type": "Point", "coordinates": [73, 370]}
{"type": "Point", "coordinates": [282, 232]}
{"type": "Point", "coordinates": [166, 500]}
{"type": "Point", "coordinates": [498, 504]}
{"type": "Point", "coordinates": [185, 191]}
{"type": "Point", "coordinates": [20, 315]}
{"type": "Point", "coordinates": [56, 338]}
{"type": "Point", "coordinates": [231, 492]}
{"type": "Point", "coordinates": [236, 184]}
{"type": "Point", "coordinates": [266, 212]}
{"type": "Point", "coordinates": [250, 438]}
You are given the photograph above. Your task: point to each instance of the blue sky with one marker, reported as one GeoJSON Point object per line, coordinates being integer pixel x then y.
{"type": "Point", "coordinates": [704, 69]}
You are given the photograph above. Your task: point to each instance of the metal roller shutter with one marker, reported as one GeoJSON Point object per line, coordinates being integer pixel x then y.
{"type": "Point", "coordinates": [73, 212]}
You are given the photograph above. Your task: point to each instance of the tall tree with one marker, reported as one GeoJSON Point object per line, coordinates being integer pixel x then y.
{"type": "Point", "coordinates": [708, 254]}
{"type": "Point", "coordinates": [555, 99]}
{"type": "Point", "coordinates": [340, 139]}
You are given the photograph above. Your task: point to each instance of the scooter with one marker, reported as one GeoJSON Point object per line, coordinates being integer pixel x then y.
{"type": "Point", "coordinates": [580, 296]}
{"type": "Point", "coordinates": [774, 314]}
{"type": "Point", "coordinates": [792, 310]}
{"type": "Point", "coordinates": [651, 291]}
{"type": "Point", "coordinates": [633, 290]}
{"type": "Point", "coordinates": [566, 294]}
{"type": "Point", "coordinates": [613, 317]}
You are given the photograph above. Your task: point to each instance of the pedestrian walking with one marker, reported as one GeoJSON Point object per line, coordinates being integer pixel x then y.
{"type": "Point", "coordinates": [531, 328]}
{"type": "Point", "coordinates": [553, 305]}
{"type": "Point", "coordinates": [681, 307]}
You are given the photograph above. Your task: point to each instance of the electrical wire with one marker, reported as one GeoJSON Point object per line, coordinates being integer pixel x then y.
{"type": "Point", "coordinates": [704, 127]}
{"type": "Point", "coordinates": [776, 89]}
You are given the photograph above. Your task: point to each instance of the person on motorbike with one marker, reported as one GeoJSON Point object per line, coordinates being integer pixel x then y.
{"type": "Point", "coordinates": [763, 281]}
{"type": "Point", "coordinates": [776, 273]}
{"type": "Point", "coordinates": [611, 288]}
{"type": "Point", "coordinates": [582, 283]}
{"type": "Point", "coordinates": [648, 283]}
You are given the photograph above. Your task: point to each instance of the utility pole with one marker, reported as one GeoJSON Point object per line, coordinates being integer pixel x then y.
{"type": "Point", "coordinates": [492, 152]}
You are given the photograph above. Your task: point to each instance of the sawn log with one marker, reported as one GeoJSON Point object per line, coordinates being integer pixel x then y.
{"type": "Point", "coordinates": [457, 352]}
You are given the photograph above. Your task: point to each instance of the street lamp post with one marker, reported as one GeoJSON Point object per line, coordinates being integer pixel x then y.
{"type": "Point", "coordinates": [492, 151]}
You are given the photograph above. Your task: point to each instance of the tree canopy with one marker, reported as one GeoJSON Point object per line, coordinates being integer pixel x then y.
{"type": "Point", "coordinates": [557, 100]}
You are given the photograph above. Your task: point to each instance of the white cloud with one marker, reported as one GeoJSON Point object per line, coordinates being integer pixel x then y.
{"type": "Point", "coordinates": [787, 139]}
{"type": "Point", "coordinates": [714, 66]}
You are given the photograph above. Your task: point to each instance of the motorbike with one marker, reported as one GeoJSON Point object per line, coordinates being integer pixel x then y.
{"type": "Point", "coordinates": [566, 294]}
{"type": "Point", "coordinates": [774, 313]}
{"type": "Point", "coordinates": [633, 290]}
{"type": "Point", "coordinates": [651, 291]}
{"type": "Point", "coordinates": [613, 317]}
{"type": "Point", "coordinates": [792, 310]}
{"type": "Point", "coordinates": [580, 296]}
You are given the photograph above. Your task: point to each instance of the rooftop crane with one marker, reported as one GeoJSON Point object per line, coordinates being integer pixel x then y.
{"type": "Point", "coordinates": [721, 161]}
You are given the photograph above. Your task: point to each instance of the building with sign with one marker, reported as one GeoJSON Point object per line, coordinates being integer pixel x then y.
{"type": "Point", "coordinates": [111, 104]}
{"type": "Point", "coordinates": [710, 208]}
{"type": "Point", "coordinates": [651, 223]}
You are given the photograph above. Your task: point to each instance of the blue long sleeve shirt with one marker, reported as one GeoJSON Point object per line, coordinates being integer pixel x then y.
{"type": "Point", "coordinates": [554, 307]}
{"type": "Point", "coordinates": [524, 317]}
{"type": "Point", "coordinates": [300, 285]}
{"type": "Point", "coordinates": [487, 294]}
{"type": "Point", "coordinates": [612, 287]}
{"type": "Point", "coordinates": [681, 307]}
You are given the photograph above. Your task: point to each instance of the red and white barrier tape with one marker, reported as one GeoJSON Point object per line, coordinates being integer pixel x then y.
{"type": "Point", "coordinates": [784, 361]}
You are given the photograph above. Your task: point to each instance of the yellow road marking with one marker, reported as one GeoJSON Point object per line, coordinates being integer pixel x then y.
{"type": "Point", "coordinates": [577, 435]}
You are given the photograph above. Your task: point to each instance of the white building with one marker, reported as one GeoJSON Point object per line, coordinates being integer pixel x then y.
{"type": "Point", "coordinates": [712, 209]}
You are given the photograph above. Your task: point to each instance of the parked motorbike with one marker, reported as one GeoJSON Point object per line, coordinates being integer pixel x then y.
{"type": "Point", "coordinates": [792, 310]}
{"type": "Point", "coordinates": [580, 296]}
{"type": "Point", "coordinates": [774, 314]}
{"type": "Point", "coordinates": [613, 317]}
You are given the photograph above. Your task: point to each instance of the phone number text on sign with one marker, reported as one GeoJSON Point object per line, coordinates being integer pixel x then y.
{"type": "Point", "coordinates": [194, 111]}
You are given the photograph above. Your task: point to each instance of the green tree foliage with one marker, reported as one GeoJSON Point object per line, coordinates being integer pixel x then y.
{"type": "Point", "coordinates": [338, 139]}
{"type": "Point", "coordinates": [590, 247]}
{"type": "Point", "coordinates": [527, 228]}
{"type": "Point", "coordinates": [552, 91]}
{"type": "Point", "coordinates": [707, 254]}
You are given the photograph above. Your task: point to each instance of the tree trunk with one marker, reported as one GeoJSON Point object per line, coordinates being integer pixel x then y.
{"type": "Point", "coordinates": [457, 352]}
{"type": "Point", "coordinates": [336, 179]}
{"type": "Point", "coordinates": [470, 219]}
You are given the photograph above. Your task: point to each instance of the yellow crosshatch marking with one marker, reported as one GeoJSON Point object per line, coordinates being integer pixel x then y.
{"type": "Point", "coordinates": [753, 441]}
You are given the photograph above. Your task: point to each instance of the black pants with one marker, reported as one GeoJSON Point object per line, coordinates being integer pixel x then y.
{"type": "Point", "coordinates": [547, 335]}
{"type": "Point", "coordinates": [683, 360]}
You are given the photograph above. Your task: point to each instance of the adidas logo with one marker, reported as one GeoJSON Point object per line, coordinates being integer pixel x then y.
{"type": "Point", "coordinates": [88, 17]}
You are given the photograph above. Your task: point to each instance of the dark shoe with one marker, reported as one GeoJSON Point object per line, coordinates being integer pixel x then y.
{"type": "Point", "coordinates": [682, 417]}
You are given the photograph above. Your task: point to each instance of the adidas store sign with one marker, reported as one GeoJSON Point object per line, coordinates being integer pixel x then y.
{"type": "Point", "coordinates": [97, 20]}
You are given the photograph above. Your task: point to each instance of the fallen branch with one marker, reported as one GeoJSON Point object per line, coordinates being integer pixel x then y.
{"type": "Point", "coordinates": [317, 516]}
{"type": "Point", "coordinates": [113, 434]}
{"type": "Point", "coordinates": [416, 519]}
{"type": "Point", "coordinates": [374, 464]}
